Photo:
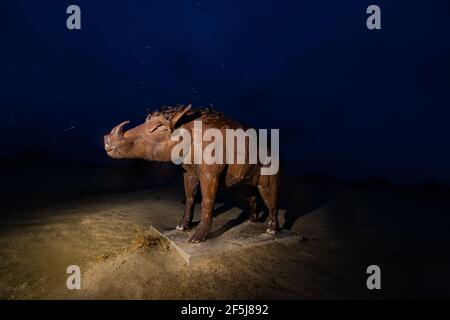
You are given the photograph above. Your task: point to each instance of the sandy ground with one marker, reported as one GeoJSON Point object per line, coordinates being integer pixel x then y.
{"type": "Point", "coordinates": [346, 230]}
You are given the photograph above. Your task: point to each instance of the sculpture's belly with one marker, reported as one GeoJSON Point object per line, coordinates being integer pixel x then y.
{"type": "Point", "coordinates": [242, 173]}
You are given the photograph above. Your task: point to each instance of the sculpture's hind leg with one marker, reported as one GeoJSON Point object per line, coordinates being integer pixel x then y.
{"type": "Point", "coordinates": [268, 188]}
{"type": "Point", "coordinates": [253, 206]}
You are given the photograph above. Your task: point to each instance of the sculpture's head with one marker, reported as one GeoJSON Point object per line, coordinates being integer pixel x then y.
{"type": "Point", "coordinates": [116, 145]}
{"type": "Point", "coordinates": [150, 140]}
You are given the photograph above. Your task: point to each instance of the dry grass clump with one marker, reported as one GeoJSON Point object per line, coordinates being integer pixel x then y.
{"type": "Point", "coordinates": [143, 240]}
{"type": "Point", "coordinates": [147, 239]}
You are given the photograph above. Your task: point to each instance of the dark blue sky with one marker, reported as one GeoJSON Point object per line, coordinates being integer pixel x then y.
{"type": "Point", "coordinates": [349, 102]}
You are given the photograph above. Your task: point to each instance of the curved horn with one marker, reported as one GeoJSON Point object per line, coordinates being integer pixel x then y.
{"type": "Point", "coordinates": [117, 131]}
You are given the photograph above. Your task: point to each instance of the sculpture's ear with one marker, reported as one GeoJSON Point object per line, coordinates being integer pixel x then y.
{"type": "Point", "coordinates": [179, 115]}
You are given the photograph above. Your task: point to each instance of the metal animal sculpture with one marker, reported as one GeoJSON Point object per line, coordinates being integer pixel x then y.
{"type": "Point", "coordinates": [151, 140]}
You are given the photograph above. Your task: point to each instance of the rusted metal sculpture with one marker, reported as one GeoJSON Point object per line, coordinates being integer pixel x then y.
{"type": "Point", "coordinates": [151, 140]}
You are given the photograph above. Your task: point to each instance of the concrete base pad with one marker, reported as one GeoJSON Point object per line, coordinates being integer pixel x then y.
{"type": "Point", "coordinates": [244, 235]}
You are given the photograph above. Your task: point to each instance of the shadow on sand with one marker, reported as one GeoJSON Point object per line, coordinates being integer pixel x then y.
{"type": "Point", "coordinates": [302, 198]}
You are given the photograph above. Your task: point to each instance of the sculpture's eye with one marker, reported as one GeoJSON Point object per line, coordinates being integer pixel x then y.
{"type": "Point", "coordinates": [161, 129]}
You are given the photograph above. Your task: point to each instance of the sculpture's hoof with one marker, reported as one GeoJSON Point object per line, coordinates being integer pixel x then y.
{"type": "Point", "coordinates": [271, 231]}
{"type": "Point", "coordinates": [199, 236]}
{"type": "Point", "coordinates": [253, 219]}
{"type": "Point", "coordinates": [182, 227]}
{"type": "Point", "coordinates": [197, 240]}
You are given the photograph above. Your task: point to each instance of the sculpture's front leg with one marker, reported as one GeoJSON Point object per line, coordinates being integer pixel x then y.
{"type": "Point", "coordinates": [191, 182]}
{"type": "Point", "coordinates": [209, 184]}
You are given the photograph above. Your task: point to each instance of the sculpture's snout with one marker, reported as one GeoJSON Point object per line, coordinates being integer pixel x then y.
{"type": "Point", "coordinates": [109, 146]}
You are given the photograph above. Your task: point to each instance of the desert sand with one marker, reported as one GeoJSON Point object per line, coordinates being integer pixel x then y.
{"type": "Point", "coordinates": [344, 230]}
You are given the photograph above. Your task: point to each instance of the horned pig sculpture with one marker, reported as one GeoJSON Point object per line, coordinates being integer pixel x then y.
{"type": "Point", "coordinates": [151, 140]}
